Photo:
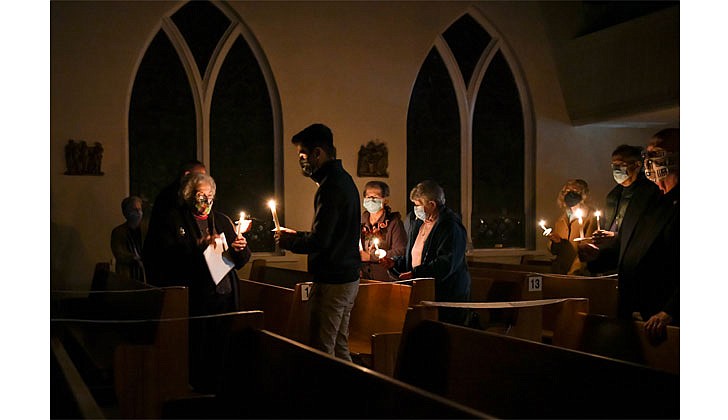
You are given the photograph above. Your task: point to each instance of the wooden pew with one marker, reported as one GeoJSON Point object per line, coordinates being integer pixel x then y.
{"type": "Point", "coordinates": [510, 377]}
{"type": "Point", "coordinates": [130, 344]}
{"type": "Point", "coordinates": [379, 307]}
{"type": "Point", "coordinates": [601, 291]}
{"type": "Point", "coordinates": [275, 302]}
{"type": "Point", "coordinates": [275, 377]}
{"type": "Point", "coordinates": [70, 396]}
{"type": "Point", "coordinates": [261, 272]}
{"type": "Point", "coordinates": [620, 339]}
{"type": "Point", "coordinates": [494, 285]}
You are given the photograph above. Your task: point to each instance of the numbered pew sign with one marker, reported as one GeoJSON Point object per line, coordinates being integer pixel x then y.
{"type": "Point", "coordinates": [305, 291]}
{"type": "Point", "coordinates": [534, 283]}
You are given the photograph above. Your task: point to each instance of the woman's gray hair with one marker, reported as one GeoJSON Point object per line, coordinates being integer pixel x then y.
{"type": "Point", "coordinates": [191, 181]}
{"type": "Point", "coordinates": [428, 191]}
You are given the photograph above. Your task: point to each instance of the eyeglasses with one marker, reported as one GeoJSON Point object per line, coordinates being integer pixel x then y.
{"type": "Point", "coordinates": [202, 198]}
{"type": "Point", "coordinates": [622, 165]}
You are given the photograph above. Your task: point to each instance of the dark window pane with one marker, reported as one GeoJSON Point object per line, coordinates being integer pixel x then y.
{"type": "Point", "coordinates": [242, 144]}
{"type": "Point", "coordinates": [498, 156]}
{"type": "Point", "coordinates": [202, 24]}
{"type": "Point", "coordinates": [467, 41]}
{"type": "Point", "coordinates": [162, 128]}
{"type": "Point", "coordinates": [433, 131]}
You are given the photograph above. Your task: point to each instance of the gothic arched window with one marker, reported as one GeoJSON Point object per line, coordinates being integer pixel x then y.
{"type": "Point", "coordinates": [468, 129]}
{"type": "Point", "coordinates": [204, 90]}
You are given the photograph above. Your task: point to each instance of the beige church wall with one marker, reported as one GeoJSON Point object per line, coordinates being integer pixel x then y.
{"type": "Point", "coordinates": [350, 65]}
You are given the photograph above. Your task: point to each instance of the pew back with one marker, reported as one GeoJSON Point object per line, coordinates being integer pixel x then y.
{"type": "Point", "coordinates": [275, 377]}
{"type": "Point", "coordinates": [379, 307]}
{"type": "Point", "coordinates": [261, 272]}
{"type": "Point", "coordinates": [513, 378]}
{"type": "Point", "coordinates": [620, 339]}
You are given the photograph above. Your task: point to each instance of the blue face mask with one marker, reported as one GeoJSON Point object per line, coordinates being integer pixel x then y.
{"type": "Point", "coordinates": [373, 205]}
{"type": "Point", "coordinates": [420, 213]}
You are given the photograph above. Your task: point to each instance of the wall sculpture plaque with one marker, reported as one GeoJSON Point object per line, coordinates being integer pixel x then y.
{"type": "Point", "coordinates": [373, 160]}
{"type": "Point", "coordinates": [82, 159]}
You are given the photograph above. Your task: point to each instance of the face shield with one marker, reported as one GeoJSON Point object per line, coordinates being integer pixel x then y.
{"type": "Point", "coordinates": [659, 163]}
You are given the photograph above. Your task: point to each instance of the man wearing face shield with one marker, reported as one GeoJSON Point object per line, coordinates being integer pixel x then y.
{"type": "Point", "coordinates": [649, 258]}
{"type": "Point", "coordinates": [331, 244]}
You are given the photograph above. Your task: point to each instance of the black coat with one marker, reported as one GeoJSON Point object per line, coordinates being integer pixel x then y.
{"type": "Point", "coordinates": [179, 256]}
{"type": "Point", "coordinates": [443, 257]}
{"type": "Point", "coordinates": [645, 194]}
{"type": "Point", "coordinates": [332, 244]}
{"type": "Point", "coordinates": [649, 262]}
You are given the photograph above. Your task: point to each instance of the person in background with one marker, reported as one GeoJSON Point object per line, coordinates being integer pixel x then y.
{"type": "Point", "coordinates": [127, 240]}
{"type": "Point", "coordinates": [577, 221]}
{"type": "Point", "coordinates": [331, 244]}
{"type": "Point", "coordinates": [167, 201]}
{"type": "Point", "coordinates": [625, 204]}
{"type": "Point", "coordinates": [380, 223]}
{"type": "Point", "coordinates": [436, 248]}
{"type": "Point", "coordinates": [649, 257]}
{"type": "Point", "coordinates": [189, 234]}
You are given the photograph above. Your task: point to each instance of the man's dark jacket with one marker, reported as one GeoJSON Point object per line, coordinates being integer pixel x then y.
{"type": "Point", "coordinates": [332, 244]}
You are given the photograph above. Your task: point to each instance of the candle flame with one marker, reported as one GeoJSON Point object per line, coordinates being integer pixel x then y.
{"type": "Point", "coordinates": [597, 213]}
{"type": "Point", "coordinates": [542, 223]}
{"type": "Point", "coordinates": [579, 213]}
{"type": "Point", "coordinates": [375, 241]}
{"type": "Point", "coordinates": [272, 204]}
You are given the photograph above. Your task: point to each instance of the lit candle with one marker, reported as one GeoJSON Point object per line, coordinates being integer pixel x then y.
{"type": "Point", "coordinates": [239, 227]}
{"type": "Point", "coordinates": [272, 205]}
{"type": "Point", "coordinates": [579, 214]}
{"type": "Point", "coordinates": [380, 253]}
{"type": "Point", "coordinates": [542, 223]}
{"type": "Point", "coordinates": [597, 214]}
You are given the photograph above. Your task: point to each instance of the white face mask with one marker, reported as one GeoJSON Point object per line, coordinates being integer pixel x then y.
{"type": "Point", "coordinates": [620, 176]}
{"type": "Point", "coordinates": [420, 213]}
{"type": "Point", "coordinates": [373, 205]}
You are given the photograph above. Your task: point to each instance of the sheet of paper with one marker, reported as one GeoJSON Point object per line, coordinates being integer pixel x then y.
{"type": "Point", "coordinates": [217, 263]}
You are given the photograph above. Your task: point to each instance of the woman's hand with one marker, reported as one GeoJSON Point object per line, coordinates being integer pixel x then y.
{"type": "Point", "coordinates": [386, 262]}
{"type": "Point", "coordinates": [239, 243]}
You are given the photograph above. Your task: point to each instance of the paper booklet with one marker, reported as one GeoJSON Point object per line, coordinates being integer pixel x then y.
{"type": "Point", "coordinates": [217, 263]}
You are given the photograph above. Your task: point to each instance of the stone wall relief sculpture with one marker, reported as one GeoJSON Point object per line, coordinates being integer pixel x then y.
{"type": "Point", "coordinates": [82, 159]}
{"type": "Point", "coordinates": [373, 160]}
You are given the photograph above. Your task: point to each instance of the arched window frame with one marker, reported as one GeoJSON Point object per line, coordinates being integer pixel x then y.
{"type": "Point", "coordinates": [466, 97]}
{"type": "Point", "coordinates": [202, 87]}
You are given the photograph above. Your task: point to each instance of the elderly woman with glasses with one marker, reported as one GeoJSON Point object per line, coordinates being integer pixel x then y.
{"type": "Point", "coordinates": [202, 252]}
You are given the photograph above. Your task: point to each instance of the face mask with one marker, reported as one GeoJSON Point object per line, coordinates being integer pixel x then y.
{"type": "Point", "coordinates": [134, 218]}
{"type": "Point", "coordinates": [420, 213]}
{"type": "Point", "coordinates": [373, 205]}
{"type": "Point", "coordinates": [572, 198]}
{"type": "Point", "coordinates": [202, 206]}
{"type": "Point", "coordinates": [307, 167]}
{"type": "Point", "coordinates": [658, 164]}
{"type": "Point", "coordinates": [620, 175]}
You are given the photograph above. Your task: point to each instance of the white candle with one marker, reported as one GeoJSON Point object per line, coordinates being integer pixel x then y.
{"type": "Point", "coordinates": [579, 214]}
{"type": "Point", "coordinates": [380, 253]}
{"type": "Point", "coordinates": [239, 227]}
{"type": "Point", "coordinates": [542, 223]}
{"type": "Point", "coordinates": [597, 214]}
{"type": "Point", "coordinates": [272, 205]}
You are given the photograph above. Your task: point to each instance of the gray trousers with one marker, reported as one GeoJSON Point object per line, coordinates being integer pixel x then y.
{"type": "Point", "coordinates": [330, 306]}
